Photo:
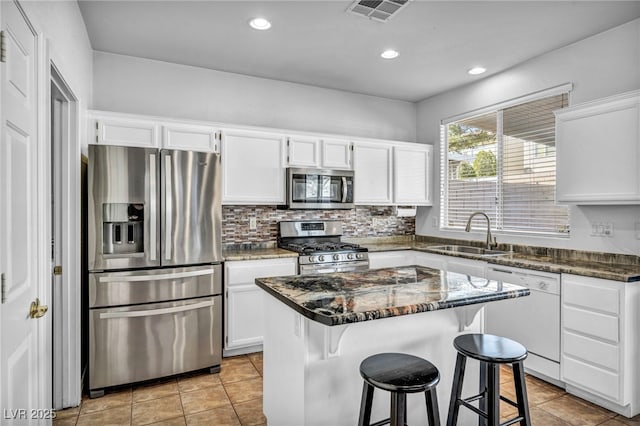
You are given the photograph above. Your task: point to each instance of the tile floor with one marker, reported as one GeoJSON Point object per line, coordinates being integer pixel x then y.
{"type": "Point", "coordinates": [234, 397]}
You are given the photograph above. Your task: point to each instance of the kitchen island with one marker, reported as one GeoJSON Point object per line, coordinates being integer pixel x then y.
{"type": "Point", "coordinates": [318, 328]}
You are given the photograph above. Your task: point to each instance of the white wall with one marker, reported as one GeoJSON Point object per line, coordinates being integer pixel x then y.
{"type": "Point", "coordinates": [62, 24]}
{"type": "Point", "coordinates": [142, 86]}
{"type": "Point", "coordinates": [599, 66]}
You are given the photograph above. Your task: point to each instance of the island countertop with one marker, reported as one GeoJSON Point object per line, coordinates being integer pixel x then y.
{"type": "Point", "coordinates": [349, 297]}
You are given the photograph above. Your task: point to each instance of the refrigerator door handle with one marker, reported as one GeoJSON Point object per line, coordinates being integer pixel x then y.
{"type": "Point", "coordinates": [161, 311]}
{"type": "Point", "coordinates": [150, 277]}
{"type": "Point", "coordinates": [153, 208]}
{"type": "Point", "coordinates": [168, 207]}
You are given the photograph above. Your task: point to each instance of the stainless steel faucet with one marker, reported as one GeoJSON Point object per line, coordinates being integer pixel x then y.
{"type": "Point", "coordinates": [491, 241]}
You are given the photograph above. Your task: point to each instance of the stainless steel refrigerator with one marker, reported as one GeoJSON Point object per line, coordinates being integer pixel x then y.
{"type": "Point", "coordinates": [155, 274]}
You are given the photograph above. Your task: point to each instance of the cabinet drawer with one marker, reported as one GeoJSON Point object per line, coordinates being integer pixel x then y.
{"type": "Point", "coordinates": [591, 378]}
{"type": "Point", "coordinates": [594, 351]}
{"type": "Point", "coordinates": [591, 323]}
{"type": "Point", "coordinates": [248, 271]}
{"type": "Point", "coordinates": [589, 294]}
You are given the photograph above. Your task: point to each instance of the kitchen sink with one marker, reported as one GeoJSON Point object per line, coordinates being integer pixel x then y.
{"type": "Point", "coordinates": [469, 250]}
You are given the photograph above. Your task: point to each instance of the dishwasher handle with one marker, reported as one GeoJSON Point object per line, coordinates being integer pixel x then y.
{"type": "Point", "coordinates": [161, 311]}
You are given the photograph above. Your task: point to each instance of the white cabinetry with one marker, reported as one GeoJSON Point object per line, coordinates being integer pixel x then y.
{"type": "Point", "coordinates": [336, 154]}
{"type": "Point", "coordinates": [124, 131]}
{"type": "Point", "coordinates": [372, 165]}
{"type": "Point", "coordinates": [253, 167]}
{"type": "Point", "coordinates": [191, 137]}
{"type": "Point", "coordinates": [412, 174]}
{"type": "Point", "coordinates": [244, 305]}
{"type": "Point", "coordinates": [598, 151]}
{"type": "Point", "coordinates": [599, 341]}
{"type": "Point", "coordinates": [304, 151]}
{"type": "Point", "coordinates": [390, 259]}
{"type": "Point", "coordinates": [148, 132]}
{"type": "Point", "coordinates": [314, 152]}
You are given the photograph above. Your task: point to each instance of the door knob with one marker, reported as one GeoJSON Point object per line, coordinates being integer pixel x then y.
{"type": "Point", "coordinates": [36, 310]}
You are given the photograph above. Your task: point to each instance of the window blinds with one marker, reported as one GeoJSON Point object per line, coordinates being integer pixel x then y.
{"type": "Point", "coordinates": [503, 163]}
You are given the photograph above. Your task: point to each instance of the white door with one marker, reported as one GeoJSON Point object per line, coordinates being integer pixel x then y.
{"type": "Point", "coordinates": [372, 173]}
{"type": "Point", "coordinates": [23, 386]}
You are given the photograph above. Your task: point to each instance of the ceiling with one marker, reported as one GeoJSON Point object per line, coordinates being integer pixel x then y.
{"type": "Point", "coordinates": [318, 43]}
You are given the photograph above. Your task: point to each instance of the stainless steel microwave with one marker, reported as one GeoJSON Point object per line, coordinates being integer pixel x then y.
{"type": "Point", "coordinates": [319, 189]}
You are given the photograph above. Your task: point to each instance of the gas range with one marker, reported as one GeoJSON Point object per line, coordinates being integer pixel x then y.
{"type": "Point", "coordinates": [319, 246]}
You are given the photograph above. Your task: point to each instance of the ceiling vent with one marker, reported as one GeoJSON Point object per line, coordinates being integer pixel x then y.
{"type": "Point", "coordinates": [378, 10]}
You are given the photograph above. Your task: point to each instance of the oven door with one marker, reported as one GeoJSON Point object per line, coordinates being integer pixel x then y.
{"type": "Point", "coordinates": [319, 189]}
{"type": "Point", "coordinates": [326, 268]}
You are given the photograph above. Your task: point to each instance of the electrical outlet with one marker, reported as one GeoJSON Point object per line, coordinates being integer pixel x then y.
{"type": "Point", "coordinates": [253, 223]}
{"type": "Point", "coordinates": [602, 229]}
{"type": "Point", "coordinates": [637, 227]}
{"type": "Point", "coordinates": [377, 222]}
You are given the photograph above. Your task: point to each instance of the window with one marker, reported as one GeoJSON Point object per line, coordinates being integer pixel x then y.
{"type": "Point", "coordinates": [502, 161]}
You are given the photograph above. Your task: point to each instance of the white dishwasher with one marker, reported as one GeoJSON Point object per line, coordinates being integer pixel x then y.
{"type": "Point", "coordinates": [534, 320]}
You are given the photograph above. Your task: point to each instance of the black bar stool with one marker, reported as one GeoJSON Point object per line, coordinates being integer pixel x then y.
{"type": "Point", "coordinates": [399, 374]}
{"type": "Point", "coordinates": [491, 351]}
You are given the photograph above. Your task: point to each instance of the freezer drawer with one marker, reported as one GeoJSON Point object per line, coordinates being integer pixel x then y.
{"type": "Point", "coordinates": [153, 285]}
{"type": "Point", "coordinates": [135, 343]}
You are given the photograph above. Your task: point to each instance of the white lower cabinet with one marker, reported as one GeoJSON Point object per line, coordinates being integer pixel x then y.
{"type": "Point", "coordinates": [600, 342]}
{"type": "Point", "coordinates": [244, 305]}
{"type": "Point", "coordinates": [391, 259]}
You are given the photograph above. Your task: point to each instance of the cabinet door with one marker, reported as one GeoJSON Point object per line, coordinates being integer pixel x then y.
{"type": "Point", "coordinates": [303, 151]}
{"type": "Point", "coordinates": [372, 173]}
{"type": "Point", "coordinates": [336, 154]}
{"type": "Point", "coordinates": [126, 132]}
{"type": "Point", "coordinates": [245, 316]}
{"type": "Point", "coordinates": [252, 168]}
{"type": "Point", "coordinates": [412, 174]}
{"type": "Point", "coordinates": [589, 171]}
{"type": "Point", "coordinates": [189, 137]}
{"type": "Point", "coordinates": [244, 308]}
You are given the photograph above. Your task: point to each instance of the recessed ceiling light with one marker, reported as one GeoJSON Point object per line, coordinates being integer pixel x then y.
{"type": "Point", "coordinates": [389, 54]}
{"type": "Point", "coordinates": [260, 24]}
{"type": "Point", "coordinates": [476, 70]}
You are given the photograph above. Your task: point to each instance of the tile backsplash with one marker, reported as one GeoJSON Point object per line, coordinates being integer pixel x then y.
{"type": "Point", "coordinates": [362, 221]}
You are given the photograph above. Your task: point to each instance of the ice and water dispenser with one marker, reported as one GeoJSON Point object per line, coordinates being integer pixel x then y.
{"type": "Point", "coordinates": [122, 228]}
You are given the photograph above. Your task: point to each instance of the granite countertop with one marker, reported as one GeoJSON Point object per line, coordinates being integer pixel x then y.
{"type": "Point", "coordinates": [254, 252]}
{"type": "Point", "coordinates": [349, 297]}
{"type": "Point", "coordinates": [597, 265]}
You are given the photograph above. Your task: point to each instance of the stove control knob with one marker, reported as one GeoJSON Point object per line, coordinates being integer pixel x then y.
{"type": "Point", "coordinates": [311, 259]}
{"type": "Point", "coordinates": [350, 256]}
{"type": "Point", "coordinates": [359, 256]}
{"type": "Point", "coordinates": [321, 258]}
{"type": "Point", "coordinates": [336, 257]}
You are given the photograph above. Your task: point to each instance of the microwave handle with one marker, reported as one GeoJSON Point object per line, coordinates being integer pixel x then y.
{"type": "Point", "coordinates": [344, 189]}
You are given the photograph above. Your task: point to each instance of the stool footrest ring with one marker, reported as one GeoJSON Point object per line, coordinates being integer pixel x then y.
{"type": "Point", "coordinates": [508, 401]}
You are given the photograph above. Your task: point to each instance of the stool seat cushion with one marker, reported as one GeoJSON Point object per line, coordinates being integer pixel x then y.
{"type": "Point", "coordinates": [396, 372]}
{"type": "Point", "coordinates": [490, 348]}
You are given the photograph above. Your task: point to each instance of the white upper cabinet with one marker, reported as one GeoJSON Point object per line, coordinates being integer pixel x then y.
{"type": "Point", "coordinates": [314, 152]}
{"type": "Point", "coordinates": [304, 151]}
{"type": "Point", "coordinates": [412, 174]}
{"type": "Point", "coordinates": [598, 151]}
{"type": "Point", "coordinates": [253, 169]}
{"type": "Point", "coordinates": [372, 165]}
{"type": "Point", "coordinates": [190, 137]}
{"type": "Point", "coordinates": [124, 131]}
{"type": "Point", "coordinates": [336, 154]}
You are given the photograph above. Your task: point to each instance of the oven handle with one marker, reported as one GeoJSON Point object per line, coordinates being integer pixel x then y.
{"type": "Point", "coordinates": [161, 311]}
{"type": "Point", "coordinates": [344, 189]}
